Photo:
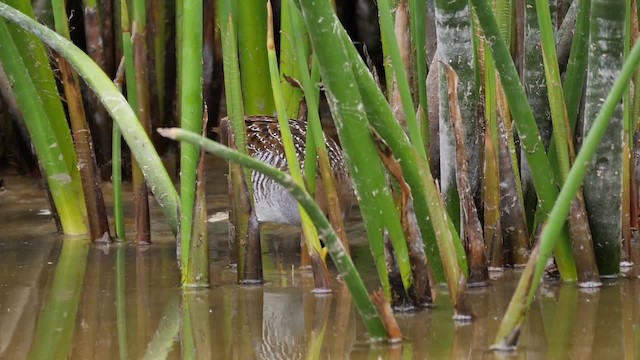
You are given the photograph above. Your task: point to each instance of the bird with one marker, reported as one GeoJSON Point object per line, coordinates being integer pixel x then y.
{"type": "Point", "coordinates": [272, 202]}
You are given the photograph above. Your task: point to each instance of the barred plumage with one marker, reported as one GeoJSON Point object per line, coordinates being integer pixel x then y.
{"type": "Point", "coordinates": [272, 202]}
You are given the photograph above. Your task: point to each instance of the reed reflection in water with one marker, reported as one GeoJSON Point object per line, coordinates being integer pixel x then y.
{"type": "Point", "coordinates": [51, 312]}
{"type": "Point", "coordinates": [69, 299]}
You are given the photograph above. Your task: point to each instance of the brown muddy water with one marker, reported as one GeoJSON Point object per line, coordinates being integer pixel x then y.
{"type": "Point", "coordinates": [126, 303]}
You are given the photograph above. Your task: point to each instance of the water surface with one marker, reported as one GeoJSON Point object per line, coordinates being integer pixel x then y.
{"type": "Point", "coordinates": [126, 302]}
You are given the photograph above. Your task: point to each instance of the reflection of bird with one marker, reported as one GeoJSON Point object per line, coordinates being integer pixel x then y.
{"type": "Point", "coordinates": [272, 202]}
{"type": "Point", "coordinates": [283, 328]}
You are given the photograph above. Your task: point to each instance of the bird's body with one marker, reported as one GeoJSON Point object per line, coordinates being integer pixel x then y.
{"type": "Point", "coordinates": [273, 203]}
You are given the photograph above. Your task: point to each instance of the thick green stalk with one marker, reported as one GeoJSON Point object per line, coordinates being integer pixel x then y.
{"type": "Point", "coordinates": [289, 58]}
{"type": "Point", "coordinates": [337, 252]}
{"type": "Point", "coordinates": [93, 199]}
{"type": "Point", "coordinates": [508, 332]}
{"type": "Point", "coordinates": [321, 274]}
{"type": "Point", "coordinates": [376, 203]}
{"type": "Point", "coordinates": [603, 183]}
{"type": "Point", "coordinates": [387, 32]}
{"type": "Point", "coordinates": [455, 45]}
{"type": "Point", "coordinates": [49, 148]}
{"type": "Point", "coordinates": [525, 123]}
{"type": "Point", "coordinates": [254, 67]}
{"type": "Point", "coordinates": [117, 106]}
{"type": "Point", "coordinates": [190, 119]}
{"type": "Point", "coordinates": [197, 267]}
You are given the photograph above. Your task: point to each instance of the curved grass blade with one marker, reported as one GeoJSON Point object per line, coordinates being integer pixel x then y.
{"type": "Point", "coordinates": [603, 181]}
{"type": "Point", "coordinates": [455, 46]}
{"type": "Point", "coordinates": [341, 259]}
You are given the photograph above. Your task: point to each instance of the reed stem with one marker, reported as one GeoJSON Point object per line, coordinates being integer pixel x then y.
{"type": "Point", "coordinates": [93, 199]}
{"type": "Point", "coordinates": [191, 119]}
{"type": "Point", "coordinates": [140, 189]}
{"type": "Point", "coordinates": [116, 164]}
{"type": "Point", "coordinates": [241, 237]}
{"type": "Point", "coordinates": [251, 17]}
